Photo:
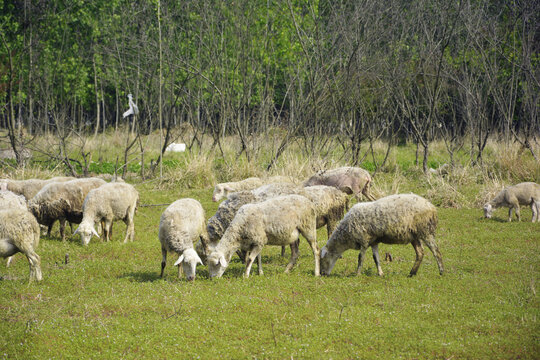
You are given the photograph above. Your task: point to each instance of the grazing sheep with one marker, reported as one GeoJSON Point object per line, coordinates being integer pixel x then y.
{"type": "Point", "coordinates": [223, 189]}
{"type": "Point", "coordinates": [180, 226]}
{"type": "Point", "coordinates": [350, 180]}
{"type": "Point", "coordinates": [330, 205]}
{"type": "Point", "coordinates": [218, 223]}
{"type": "Point", "coordinates": [19, 232]}
{"type": "Point", "coordinates": [276, 221]}
{"type": "Point", "coordinates": [29, 188]}
{"type": "Point", "coordinates": [106, 204]}
{"type": "Point", "coordinates": [527, 193]}
{"type": "Point", "coordinates": [62, 201]}
{"type": "Point", "coordinates": [9, 201]}
{"type": "Point", "coordinates": [395, 219]}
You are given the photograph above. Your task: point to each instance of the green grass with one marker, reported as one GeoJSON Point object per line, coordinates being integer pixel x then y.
{"type": "Point", "coordinates": [108, 301]}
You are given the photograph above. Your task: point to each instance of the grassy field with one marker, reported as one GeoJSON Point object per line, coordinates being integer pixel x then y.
{"type": "Point", "coordinates": [109, 302]}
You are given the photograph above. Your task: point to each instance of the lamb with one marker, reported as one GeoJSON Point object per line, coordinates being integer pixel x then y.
{"type": "Point", "coordinates": [62, 201]}
{"type": "Point", "coordinates": [350, 180]}
{"type": "Point", "coordinates": [19, 232]}
{"type": "Point", "coordinates": [223, 189]}
{"type": "Point", "coordinates": [106, 204]}
{"type": "Point", "coordinates": [180, 226]}
{"type": "Point", "coordinates": [276, 221]}
{"type": "Point", "coordinates": [395, 219]}
{"type": "Point", "coordinates": [526, 193]}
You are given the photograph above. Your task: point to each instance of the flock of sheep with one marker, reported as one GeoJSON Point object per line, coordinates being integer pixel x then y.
{"type": "Point", "coordinates": [254, 214]}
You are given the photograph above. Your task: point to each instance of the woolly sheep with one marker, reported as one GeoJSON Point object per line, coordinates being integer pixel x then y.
{"type": "Point", "coordinates": [180, 226]}
{"type": "Point", "coordinates": [62, 201]}
{"type": "Point", "coordinates": [29, 188]}
{"type": "Point", "coordinates": [223, 189]}
{"type": "Point", "coordinates": [218, 223]}
{"type": "Point", "coordinates": [10, 200]}
{"type": "Point", "coordinates": [527, 193]}
{"type": "Point", "coordinates": [276, 221]}
{"type": "Point", "coordinates": [350, 180]}
{"type": "Point", "coordinates": [395, 219]}
{"type": "Point", "coordinates": [19, 232]}
{"type": "Point", "coordinates": [106, 204]}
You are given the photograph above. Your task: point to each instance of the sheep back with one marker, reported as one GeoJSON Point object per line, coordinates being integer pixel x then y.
{"type": "Point", "coordinates": [395, 219]}
{"type": "Point", "coordinates": [181, 225]}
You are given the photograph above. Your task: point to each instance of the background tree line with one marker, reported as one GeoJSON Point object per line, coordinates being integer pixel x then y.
{"type": "Point", "coordinates": [357, 71]}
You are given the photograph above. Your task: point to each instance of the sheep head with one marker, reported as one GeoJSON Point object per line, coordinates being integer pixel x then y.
{"type": "Point", "coordinates": [189, 260]}
{"type": "Point", "coordinates": [328, 260]}
{"type": "Point", "coordinates": [488, 210]}
{"type": "Point", "coordinates": [86, 230]}
{"type": "Point", "coordinates": [217, 264]}
{"type": "Point", "coordinates": [220, 191]}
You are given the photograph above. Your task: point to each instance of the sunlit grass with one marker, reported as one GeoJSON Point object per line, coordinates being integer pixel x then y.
{"type": "Point", "coordinates": [108, 300]}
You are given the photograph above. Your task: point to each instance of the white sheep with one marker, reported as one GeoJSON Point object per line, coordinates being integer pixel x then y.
{"type": "Point", "coordinates": [62, 201]}
{"type": "Point", "coordinates": [395, 219]}
{"type": "Point", "coordinates": [526, 193]}
{"type": "Point", "coordinates": [10, 200]}
{"type": "Point", "coordinates": [276, 221]}
{"type": "Point", "coordinates": [106, 204]}
{"type": "Point", "coordinates": [350, 180]}
{"type": "Point", "coordinates": [182, 224]}
{"type": "Point", "coordinates": [19, 232]}
{"type": "Point", "coordinates": [29, 188]}
{"type": "Point", "coordinates": [223, 189]}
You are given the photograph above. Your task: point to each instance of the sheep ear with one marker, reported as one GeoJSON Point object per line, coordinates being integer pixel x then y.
{"type": "Point", "coordinates": [179, 261]}
{"type": "Point", "coordinates": [323, 252]}
{"type": "Point", "coordinates": [228, 189]}
{"type": "Point", "coordinates": [95, 232]}
{"type": "Point", "coordinates": [222, 261]}
{"type": "Point", "coordinates": [199, 261]}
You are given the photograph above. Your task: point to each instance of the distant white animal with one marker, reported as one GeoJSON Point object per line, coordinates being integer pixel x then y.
{"type": "Point", "coordinates": [133, 109]}
{"type": "Point", "coordinates": [527, 193]}
{"type": "Point", "coordinates": [174, 147]}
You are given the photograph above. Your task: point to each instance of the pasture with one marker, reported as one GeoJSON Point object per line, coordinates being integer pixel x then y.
{"type": "Point", "coordinates": [107, 300]}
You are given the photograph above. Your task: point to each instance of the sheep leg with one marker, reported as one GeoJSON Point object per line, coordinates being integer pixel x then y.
{"type": "Point", "coordinates": [311, 236]}
{"type": "Point", "coordinates": [9, 260]}
{"type": "Point", "coordinates": [163, 261]}
{"type": "Point", "coordinates": [419, 256]}
{"type": "Point", "coordinates": [259, 265]}
{"type": "Point", "coordinates": [283, 251]}
{"type": "Point", "coordinates": [430, 243]}
{"type": "Point", "coordinates": [518, 214]}
{"type": "Point", "coordinates": [361, 255]}
{"type": "Point", "coordinates": [535, 207]}
{"type": "Point", "coordinates": [250, 258]}
{"type": "Point", "coordinates": [34, 261]}
{"type": "Point", "coordinates": [294, 256]}
{"type": "Point", "coordinates": [107, 230]}
{"type": "Point", "coordinates": [63, 229]}
{"type": "Point", "coordinates": [376, 258]}
{"type": "Point", "coordinates": [49, 229]}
